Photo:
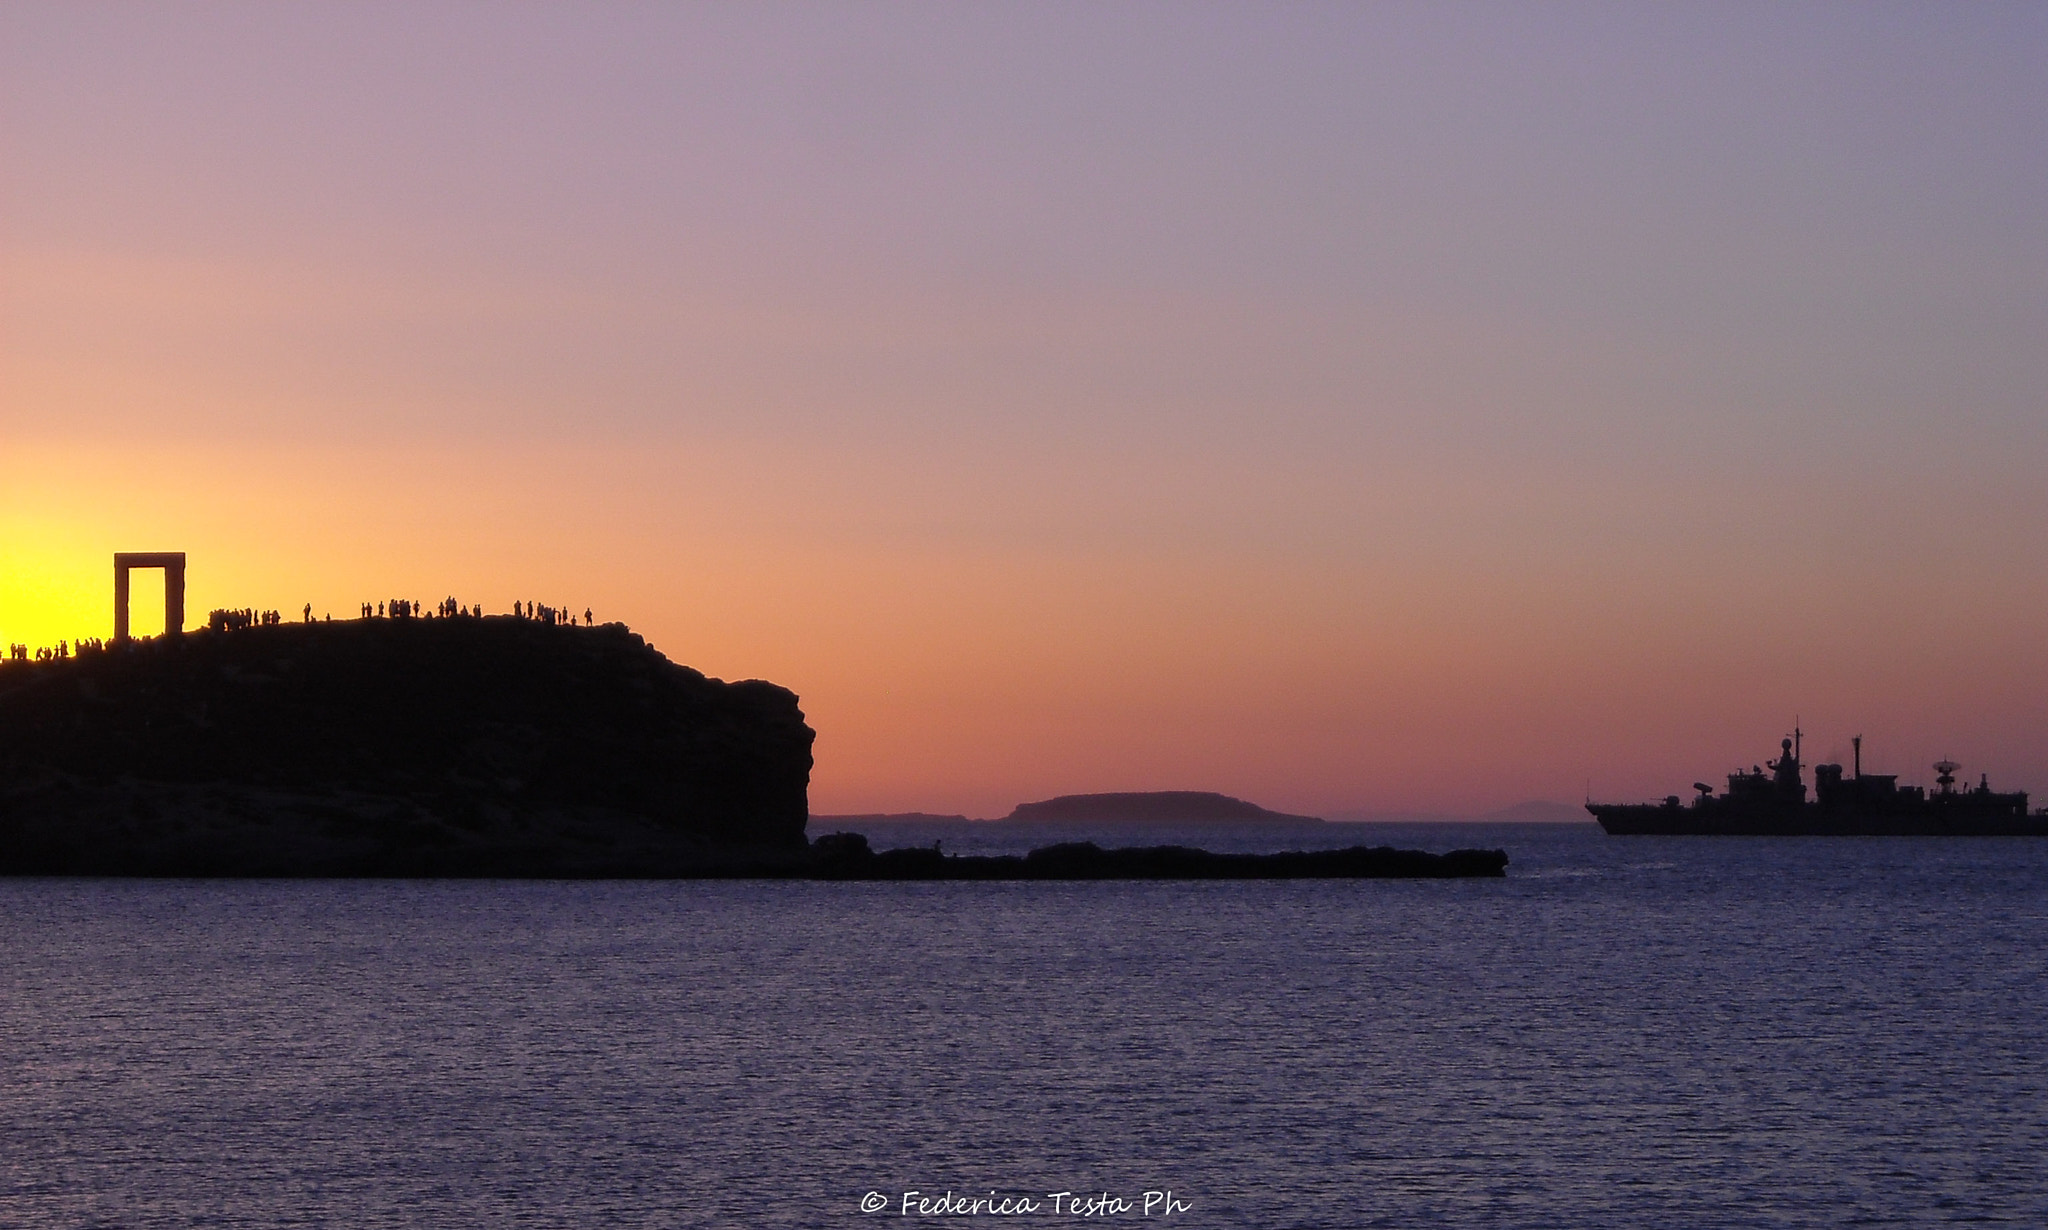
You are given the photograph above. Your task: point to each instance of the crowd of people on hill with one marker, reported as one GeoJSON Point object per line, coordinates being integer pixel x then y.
{"type": "Point", "coordinates": [245, 617]}
{"type": "Point", "coordinates": [407, 608]}
{"type": "Point", "coordinates": [236, 619]}
{"type": "Point", "coordinates": [58, 652]}
{"type": "Point", "coordinates": [551, 616]}
{"type": "Point", "coordinates": [449, 608]}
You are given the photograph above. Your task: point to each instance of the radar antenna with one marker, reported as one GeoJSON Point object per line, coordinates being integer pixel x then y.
{"type": "Point", "coordinates": [1947, 779]}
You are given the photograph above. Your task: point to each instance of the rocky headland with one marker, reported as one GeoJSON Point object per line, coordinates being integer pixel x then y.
{"type": "Point", "coordinates": [397, 747]}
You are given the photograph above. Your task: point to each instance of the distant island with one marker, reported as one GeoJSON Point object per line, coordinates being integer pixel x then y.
{"type": "Point", "coordinates": [858, 820]}
{"type": "Point", "coordinates": [1149, 807]}
{"type": "Point", "coordinates": [1539, 811]}
{"type": "Point", "coordinates": [846, 854]}
{"type": "Point", "coordinates": [1190, 807]}
{"type": "Point", "coordinates": [1126, 807]}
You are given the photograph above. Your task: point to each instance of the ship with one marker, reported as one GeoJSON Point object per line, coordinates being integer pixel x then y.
{"type": "Point", "coordinates": [1771, 800]}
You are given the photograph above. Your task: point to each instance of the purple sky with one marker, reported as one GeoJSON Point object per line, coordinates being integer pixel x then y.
{"type": "Point", "coordinates": [1349, 407]}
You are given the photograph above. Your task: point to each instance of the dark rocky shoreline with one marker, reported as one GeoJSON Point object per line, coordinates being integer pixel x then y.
{"type": "Point", "coordinates": [846, 856]}
{"type": "Point", "coordinates": [393, 847]}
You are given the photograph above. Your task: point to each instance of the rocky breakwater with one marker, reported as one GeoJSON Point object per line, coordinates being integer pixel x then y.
{"type": "Point", "coordinates": [847, 856]}
{"type": "Point", "coordinates": [397, 747]}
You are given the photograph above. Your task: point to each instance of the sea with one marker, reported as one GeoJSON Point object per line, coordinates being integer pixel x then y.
{"type": "Point", "coordinates": [1623, 1032]}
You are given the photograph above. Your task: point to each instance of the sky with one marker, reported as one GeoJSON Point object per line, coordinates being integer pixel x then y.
{"type": "Point", "coordinates": [1359, 409]}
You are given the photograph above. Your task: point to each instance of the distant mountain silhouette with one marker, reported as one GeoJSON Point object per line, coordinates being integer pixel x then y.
{"type": "Point", "coordinates": [1148, 807]}
{"type": "Point", "coordinates": [826, 824]}
{"type": "Point", "coordinates": [410, 746]}
{"type": "Point", "coordinates": [1540, 811]}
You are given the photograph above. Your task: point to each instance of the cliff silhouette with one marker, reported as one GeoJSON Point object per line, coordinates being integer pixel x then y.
{"type": "Point", "coordinates": [409, 746]}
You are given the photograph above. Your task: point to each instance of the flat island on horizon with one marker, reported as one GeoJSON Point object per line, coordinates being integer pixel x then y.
{"type": "Point", "coordinates": [1149, 807]}
{"type": "Point", "coordinates": [1127, 807]}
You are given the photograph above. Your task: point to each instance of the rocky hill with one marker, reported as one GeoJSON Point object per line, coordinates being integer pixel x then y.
{"type": "Point", "coordinates": [461, 746]}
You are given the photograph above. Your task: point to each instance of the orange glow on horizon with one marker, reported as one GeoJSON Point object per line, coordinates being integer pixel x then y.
{"type": "Point", "coordinates": [951, 677]}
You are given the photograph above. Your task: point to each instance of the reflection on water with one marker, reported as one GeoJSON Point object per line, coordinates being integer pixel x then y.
{"type": "Point", "coordinates": [1625, 1032]}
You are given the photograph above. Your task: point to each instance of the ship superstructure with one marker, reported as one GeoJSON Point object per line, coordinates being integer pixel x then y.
{"type": "Point", "coordinates": [1771, 799]}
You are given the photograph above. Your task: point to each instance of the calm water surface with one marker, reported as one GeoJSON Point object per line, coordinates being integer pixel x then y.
{"type": "Point", "coordinates": [1623, 1033]}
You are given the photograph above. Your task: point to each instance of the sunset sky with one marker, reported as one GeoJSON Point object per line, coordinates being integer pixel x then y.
{"type": "Point", "coordinates": [1353, 408]}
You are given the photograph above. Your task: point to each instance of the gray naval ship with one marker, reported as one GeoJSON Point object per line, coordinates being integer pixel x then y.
{"type": "Point", "coordinates": [1774, 803]}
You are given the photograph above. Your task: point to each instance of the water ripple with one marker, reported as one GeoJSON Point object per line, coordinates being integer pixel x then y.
{"type": "Point", "coordinates": [1622, 1033]}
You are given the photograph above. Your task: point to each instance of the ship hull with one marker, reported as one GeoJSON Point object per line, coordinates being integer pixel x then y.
{"type": "Point", "coordinates": [1637, 819]}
